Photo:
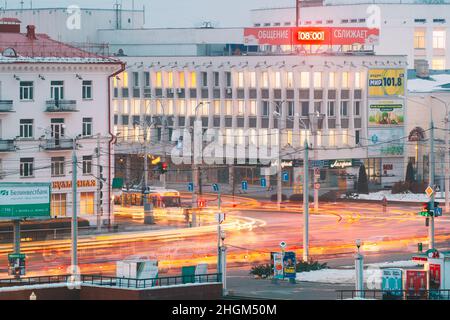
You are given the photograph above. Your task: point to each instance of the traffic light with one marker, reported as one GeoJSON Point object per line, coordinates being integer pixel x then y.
{"type": "Point", "coordinates": [100, 196]}
{"type": "Point", "coordinates": [201, 203]}
{"type": "Point", "coordinates": [162, 167]}
{"type": "Point", "coordinates": [427, 212]}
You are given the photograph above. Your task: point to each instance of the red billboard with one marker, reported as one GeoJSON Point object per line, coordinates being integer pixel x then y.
{"type": "Point", "coordinates": [311, 36]}
{"type": "Point", "coordinates": [416, 284]}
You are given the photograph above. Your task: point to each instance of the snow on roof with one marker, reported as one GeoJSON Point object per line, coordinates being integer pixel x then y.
{"type": "Point", "coordinates": [437, 82]}
{"type": "Point", "coordinates": [21, 59]}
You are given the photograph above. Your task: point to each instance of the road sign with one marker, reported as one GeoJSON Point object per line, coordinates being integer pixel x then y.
{"type": "Point", "coordinates": [429, 191]}
{"type": "Point", "coordinates": [244, 185]}
{"type": "Point", "coordinates": [289, 265]}
{"type": "Point", "coordinates": [391, 283]}
{"type": "Point", "coordinates": [285, 176]}
{"type": "Point", "coordinates": [283, 244]}
{"type": "Point", "coordinates": [437, 212]}
{"type": "Point", "coordinates": [220, 217]}
{"type": "Point", "coordinates": [24, 200]}
{"type": "Point", "coordinates": [190, 187]}
{"type": "Point", "coordinates": [263, 182]}
{"type": "Point", "coordinates": [201, 203]}
{"type": "Point", "coordinates": [16, 264]}
{"type": "Point", "coordinates": [317, 186]}
{"type": "Point", "coordinates": [215, 187]}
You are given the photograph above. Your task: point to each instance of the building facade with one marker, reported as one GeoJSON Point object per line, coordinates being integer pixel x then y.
{"type": "Point", "coordinates": [54, 98]}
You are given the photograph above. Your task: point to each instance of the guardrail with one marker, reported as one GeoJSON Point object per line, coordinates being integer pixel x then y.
{"type": "Point", "coordinates": [433, 294]}
{"type": "Point", "coordinates": [6, 105]}
{"type": "Point", "coordinates": [101, 280]}
{"type": "Point", "coordinates": [61, 106]}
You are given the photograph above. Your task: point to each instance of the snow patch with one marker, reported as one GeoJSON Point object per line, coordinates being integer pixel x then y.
{"type": "Point", "coordinates": [407, 197]}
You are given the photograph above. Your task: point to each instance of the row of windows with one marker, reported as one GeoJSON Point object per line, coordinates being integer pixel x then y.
{"type": "Point", "coordinates": [277, 81]}
{"type": "Point", "coordinates": [59, 204]}
{"type": "Point", "coordinates": [438, 39]}
{"type": "Point", "coordinates": [330, 21]}
{"type": "Point", "coordinates": [26, 127]}
{"type": "Point", "coordinates": [57, 164]}
{"type": "Point", "coordinates": [26, 92]}
{"type": "Point", "coordinates": [229, 110]}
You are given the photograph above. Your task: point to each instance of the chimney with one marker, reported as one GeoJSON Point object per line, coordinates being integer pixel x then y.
{"type": "Point", "coordinates": [31, 32]}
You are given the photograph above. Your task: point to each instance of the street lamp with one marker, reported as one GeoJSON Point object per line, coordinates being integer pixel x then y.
{"type": "Point", "coordinates": [314, 120]}
{"type": "Point", "coordinates": [279, 114]}
{"type": "Point", "coordinates": [359, 269]}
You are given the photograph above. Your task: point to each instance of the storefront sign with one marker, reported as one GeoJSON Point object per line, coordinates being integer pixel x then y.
{"type": "Point", "coordinates": [341, 164]}
{"type": "Point", "coordinates": [58, 185]}
{"type": "Point", "coordinates": [24, 200]}
{"type": "Point", "coordinates": [386, 82]}
{"type": "Point", "coordinates": [311, 36]}
{"type": "Point", "coordinates": [386, 113]}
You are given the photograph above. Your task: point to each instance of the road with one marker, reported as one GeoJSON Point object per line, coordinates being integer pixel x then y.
{"type": "Point", "coordinates": [253, 230]}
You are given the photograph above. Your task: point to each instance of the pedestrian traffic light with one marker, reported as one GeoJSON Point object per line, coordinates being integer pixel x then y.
{"type": "Point", "coordinates": [201, 203]}
{"type": "Point", "coordinates": [162, 167]}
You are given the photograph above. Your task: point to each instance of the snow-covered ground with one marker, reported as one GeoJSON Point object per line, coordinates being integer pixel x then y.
{"type": "Point", "coordinates": [407, 197]}
{"type": "Point", "coordinates": [346, 275]}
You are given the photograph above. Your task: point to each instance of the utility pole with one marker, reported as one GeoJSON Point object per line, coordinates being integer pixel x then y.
{"type": "Point", "coordinates": [432, 172]}
{"type": "Point", "coordinates": [16, 224]}
{"type": "Point", "coordinates": [99, 185]}
{"type": "Point", "coordinates": [148, 206]}
{"type": "Point", "coordinates": [279, 168]}
{"type": "Point", "coordinates": [162, 177]}
{"type": "Point", "coordinates": [74, 210]}
{"type": "Point", "coordinates": [306, 203]}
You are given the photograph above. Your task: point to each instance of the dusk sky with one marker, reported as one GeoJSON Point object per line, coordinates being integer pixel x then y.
{"type": "Point", "coordinates": [173, 13]}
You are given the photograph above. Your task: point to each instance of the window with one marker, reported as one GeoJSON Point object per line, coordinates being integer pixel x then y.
{"type": "Point", "coordinates": [277, 80]}
{"type": "Point", "coordinates": [290, 79]}
{"type": "Point", "coordinates": [228, 108]}
{"type": "Point", "coordinates": [317, 79]}
{"type": "Point", "coordinates": [240, 83]}
{"type": "Point", "coordinates": [304, 79]}
{"type": "Point", "coordinates": [241, 108]}
{"type": "Point", "coordinates": [252, 107]}
{"type": "Point", "coordinates": [305, 108]}
{"type": "Point", "coordinates": [216, 104]}
{"type": "Point", "coordinates": [357, 136]}
{"type": "Point", "coordinates": [147, 79]}
{"type": "Point", "coordinates": [216, 79]}
{"type": "Point", "coordinates": [345, 137]}
{"type": "Point", "coordinates": [57, 166]}
{"type": "Point", "coordinates": [419, 39]}
{"type": "Point", "coordinates": [86, 203]}
{"type": "Point", "coordinates": [87, 163]}
{"type": "Point", "coordinates": [290, 108]}
{"type": "Point", "coordinates": [228, 78]}
{"type": "Point", "coordinates": [357, 108]}
{"type": "Point", "coordinates": [57, 90]}
{"type": "Point", "coordinates": [357, 80]}
{"type": "Point", "coordinates": [135, 79]}
{"type": "Point", "coordinates": [331, 138]}
{"type": "Point", "coordinates": [58, 205]}
{"type": "Point", "coordinates": [26, 128]}
{"type": "Point", "coordinates": [26, 90]}
{"type": "Point", "coordinates": [319, 138]}
{"type": "Point", "coordinates": [159, 79]}
{"type": "Point", "coordinates": [344, 108]}
{"type": "Point", "coordinates": [265, 109]}
{"type": "Point", "coordinates": [204, 79]}
{"type": "Point", "coordinates": [332, 80]}
{"type": "Point", "coordinates": [125, 80]}
{"type": "Point", "coordinates": [193, 77]}
{"type": "Point", "coordinates": [252, 79]}
{"type": "Point", "coordinates": [344, 83]}
{"type": "Point", "coordinates": [181, 79]}
{"type": "Point", "coordinates": [318, 106]}
{"type": "Point", "coordinates": [170, 79]}
{"type": "Point", "coordinates": [87, 89]}
{"type": "Point", "coordinates": [125, 107]}
{"type": "Point", "coordinates": [265, 79]}
{"type": "Point", "coordinates": [438, 39]}
{"type": "Point", "coordinates": [331, 109]}
{"type": "Point", "coordinates": [87, 127]}
{"type": "Point", "coordinates": [438, 64]}
{"type": "Point", "coordinates": [26, 167]}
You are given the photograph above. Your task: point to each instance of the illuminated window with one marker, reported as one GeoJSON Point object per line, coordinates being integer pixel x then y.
{"type": "Point", "coordinates": [357, 80]}
{"type": "Point", "coordinates": [240, 136]}
{"type": "Point", "coordinates": [241, 107]}
{"type": "Point", "coordinates": [125, 79]}
{"type": "Point", "coordinates": [277, 80]}
{"type": "Point", "coordinates": [216, 104]}
{"type": "Point", "coordinates": [304, 134]}
{"type": "Point", "coordinates": [87, 203]}
{"type": "Point", "coordinates": [252, 79]}
{"type": "Point", "coordinates": [136, 107]}
{"type": "Point", "coordinates": [265, 79]}
{"type": "Point", "coordinates": [332, 80]}
{"type": "Point", "coordinates": [228, 108]}
{"type": "Point", "coordinates": [181, 79]}
{"type": "Point", "coordinates": [253, 140]}
{"type": "Point", "coordinates": [240, 83]}
{"type": "Point", "coordinates": [345, 137]}
{"type": "Point", "coordinates": [439, 39]}
{"type": "Point", "coordinates": [263, 137]}
{"type": "Point", "coordinates": [147, 107]}
{"type": "Point", "coordinates": [304, 79]}
{"type": "Point", "coordinates": [319, 138]}
{"type": "Point", "coordinates": [290, 79]}
{"type": "Point", "coordinates": [125, 107]}
{"type": "Point", "coordinates": [419, 39]}
{"type": "Point", "coordinates": [438, 64]}
{"type": "Point", "coordinates": [317, 79]}
{"type": "Point", "coordinates": [137, 132]}
{"type": "Point", "coordinates": [252, 107]}
{"type": "Point", "coordinates": [170, 109]}
{"type": "Point", "coordinates": [116, 106]}
{"type": "Point", "coordinates": [193, 76]}
{"type": "Point", "coordinates": [115, 81]}
{"type": "Point", "coordinates": [182, 107]}
{"type": "Point", "coordinates": [170, 79]}
{"type": "Point", "coordinates": [331, 138]}
{"type": "Point", "coordinates": [289, 137]}
{"type": "Point", "coordinates": [344, 83]}
{"type": "Point", "coordinates": [159, 108]}
{"type": "Point", "coordinates": [159, 79]}
{"type": "Point", "coordinates": [58, 205]}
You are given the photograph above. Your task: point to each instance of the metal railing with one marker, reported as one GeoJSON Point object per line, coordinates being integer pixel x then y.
{"type": "Point", "coordinates": [61, 106]}
{"type": "Point", "coordinates": [101, 280]}
{"type": "Point", "coordinates": [6, 105]}
{"type": "Point", "coordinates": [432, 294]}
{"type": "Point", "coordinates": [58, 144]}
{"type": "Point", "coordinates": [7, 145]}
{"type": "Point", "coordinates": [44, 234]}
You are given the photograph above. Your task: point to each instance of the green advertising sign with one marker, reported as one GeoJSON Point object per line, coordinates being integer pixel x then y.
{"type": "Point", "coordinates": [24, 200]}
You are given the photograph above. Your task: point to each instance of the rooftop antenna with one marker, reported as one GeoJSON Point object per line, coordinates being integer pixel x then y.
{"type": "Point", "coordinates": [21, 4]}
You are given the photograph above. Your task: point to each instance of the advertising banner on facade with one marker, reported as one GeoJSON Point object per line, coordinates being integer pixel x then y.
{"type": "Point", "coordinates": [416, 284]}
{"type": "Point", "coordinates": [24, 200]}
{"type": "Point", "coordinates": [277, 265]}
{"type": "Point", "coordinates": [289, 264]}
{"type": "Point", "coordinates": [384, 142]}
{"type": "Point", "coordinates": [384, 113]}
{"type": "Point", "coordinates": [392, 282]}
{"type": "Point", "coordinates": [386, 82]}
{"type": "Point", "coordinates": [311, 36]}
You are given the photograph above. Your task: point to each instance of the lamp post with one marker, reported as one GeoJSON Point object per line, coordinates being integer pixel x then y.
{"type": "Point", "coordinates": [279, 114]}
{"type": "Point", "coordinates": [359, 269]}
{"type": "Point", "coordinates": [314, 120]}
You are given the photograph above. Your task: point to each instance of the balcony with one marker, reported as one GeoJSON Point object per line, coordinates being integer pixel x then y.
{"type": "Point", "coordinates": [61, 106]}
{"type": "Point", "coordinates": [6, 106]}
{"type": "Point", "coordinates": [7, 145]}
{"type": "Point", "coordinates": [57, 144]}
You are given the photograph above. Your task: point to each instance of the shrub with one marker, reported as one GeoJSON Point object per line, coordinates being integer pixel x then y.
{"type": "Point", "coordinates": [400, 187]}
{"type": "Point", "coordinates": [262, 270]}
{"type": "Point", "coordinates": [310, 266]}
{"type": "Point", "coordinates": [330, 196]}
{"type": "Point", "coordinates": [363, 184]}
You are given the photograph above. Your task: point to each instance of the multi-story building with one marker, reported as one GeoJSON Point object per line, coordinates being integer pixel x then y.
{"type": "Point", "coordinates": [250, 97]}
{"type": "Point", "coordinates": [54, 97]}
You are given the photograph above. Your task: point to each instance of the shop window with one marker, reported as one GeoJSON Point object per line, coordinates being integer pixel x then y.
{"type": "Point", "coordinates": [58, 205]}
{"type": "Point", "coordinates": [87, 203]}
